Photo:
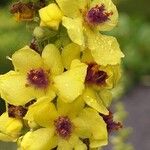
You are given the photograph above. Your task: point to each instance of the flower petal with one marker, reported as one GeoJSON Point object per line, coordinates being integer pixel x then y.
{"type": "Point", "coordinates": [5, 76]}
{"type": "Point", "coordinates": [106, 97]}
{"type": "Point", "coordinates": [75, 30]}
{"type": "Point", "coordinates": [14, 90]}
{"type": "Point", "coordinates": [7, 138]}
{"type": "Point", "coordinates": [69, 53]}
{"type": "Point", "coordinates": [96, 123]}
{"type": "Point", "coordinates": [10, 128]}
{"type": "Point", "coordinates": [76, 143]}
{"type": "Point", "coordinates": [52, 59]}
{"type": "Point", "coordinates": [48, 92]}
{"type": "Point", "coordinates": [36, 111]}
{"type": "Point", "coordinates": [104, 49]}
{"type": "Point", "coordinates": [70, 109]}
{"type": "Point", "coordinates": [72, 143]}
{"type": "Point", "coordinates": [110, 8]}
{"type": "Point", "coordinates": [50, 16]}
{"type": "Point", "coordinates": [26, 59]}
{"type": "Point", "coordinates": [113, 73]}
{"type": "Point", "coordinates": [41, 139]}
{"type": "Point", "coordinates": [64, 145]}
{"type": "Point", "coordinates": [92, 99]}
{"type": "Point", "coordinates": [116, 74]}
{"type": "Point", "coordinates": [70, 8]}
{"type": "Point", "coordinates": [98, 143]}
{"type": "Point", "coordinates": [87, 56]}
{"type": "Point", "coordinates": [70, 84]}
{"type": "Point", "coordinates": [80, 146]}
{"type": "Point", "coordinates": [84, 4]}
{"type": "Point", "coordinates": [82, 129]}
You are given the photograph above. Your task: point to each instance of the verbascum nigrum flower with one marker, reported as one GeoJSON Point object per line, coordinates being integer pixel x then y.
{"type": "Point", "coordinates": [65, 125]}
{"type": "Point", "coordinates": [32, 76]}
{"type": "Point", "coordinates": [59, 93]}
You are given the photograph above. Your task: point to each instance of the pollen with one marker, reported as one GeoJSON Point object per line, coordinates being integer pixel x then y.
{"type": "Point", "coordinates": [97, 15]}
{"type": "Point", "coordinates": [63, 127]}
{"type": "Point", "coordinates": [38, 78]}
{"type": "Point", "coordinates": [95, 75]}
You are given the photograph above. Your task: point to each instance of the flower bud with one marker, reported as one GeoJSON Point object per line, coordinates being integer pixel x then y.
{"type": "Point", "coordinates": [38, 32]}
{"type": "Point", "coordinates": [50, 16]}
{"type": "Point", "coordinates": [43, 32]}
{"type": "Point", "coordinates": [23, 11]}
{"type": "Point", "coordinates": [9, 128]}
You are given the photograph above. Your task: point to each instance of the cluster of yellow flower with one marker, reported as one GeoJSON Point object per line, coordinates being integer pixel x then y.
{"type": "Point", "coordinates": [54, 98]}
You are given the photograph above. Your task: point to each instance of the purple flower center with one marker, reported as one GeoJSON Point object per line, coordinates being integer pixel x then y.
{"type": "Point", "coordinates": [16, 111]}
{"type": "Point", "coordinates": [98, 14]}
{"type": "Point", "coordinates": [111, 124]}
{"type": "Point", "coordinates": [63, 127]}
{"type": "Point", "coordinates": [95, 76]}
{"type": "Point", "coordinates": [38, 78]}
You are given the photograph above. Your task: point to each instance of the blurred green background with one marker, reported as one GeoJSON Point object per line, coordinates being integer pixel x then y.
{"type": "Point", "coordinates": [13, 36]}
{"type": "Point", "coordinates": [133, 34]}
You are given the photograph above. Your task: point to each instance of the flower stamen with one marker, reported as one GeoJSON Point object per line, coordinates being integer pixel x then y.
{"type": "Point", "coordinates": [16, 111]}
{"type": "Point", "coordinates": [38, 78]}
{"type": "Point", "coordinates": [111, 124]}
{"type": "Point", "coordinates": [95, 76]}
{"type": "Point", "coordinates": [63, 127]}
{"type": "Point", "coordinates": [97, 15]}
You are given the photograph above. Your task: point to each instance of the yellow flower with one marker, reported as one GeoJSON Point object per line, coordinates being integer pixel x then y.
{"type": "Point", "coordinates": [103, 15]}
{"type": "Point", "coordinates": [80, 20]}
{"type": "Point", "coordinates": [99, 81]}
{"type": "Point", "coordinates": [82, 14]}
{"type": "Point", "coordinates": [102, 77]}
{"type": "Point", "coordinates": [65, 126]}
{"type": "Point", "coordinates": [33, 75]}
{"type": "Point", "coordinates": [105, 76]}
{"type": "Point", "coordinates": [70, 84]}
{"type": "Point", "coordinates": [98, 77]}
{"type": "Point", "coordinates": [93, 99]}
{"type": "Point", "coordinates": [50, 16]}
{"type": "Point", "coordinates": [92, 83]}
{"type": "Point", "coordinates": [10, 128]}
